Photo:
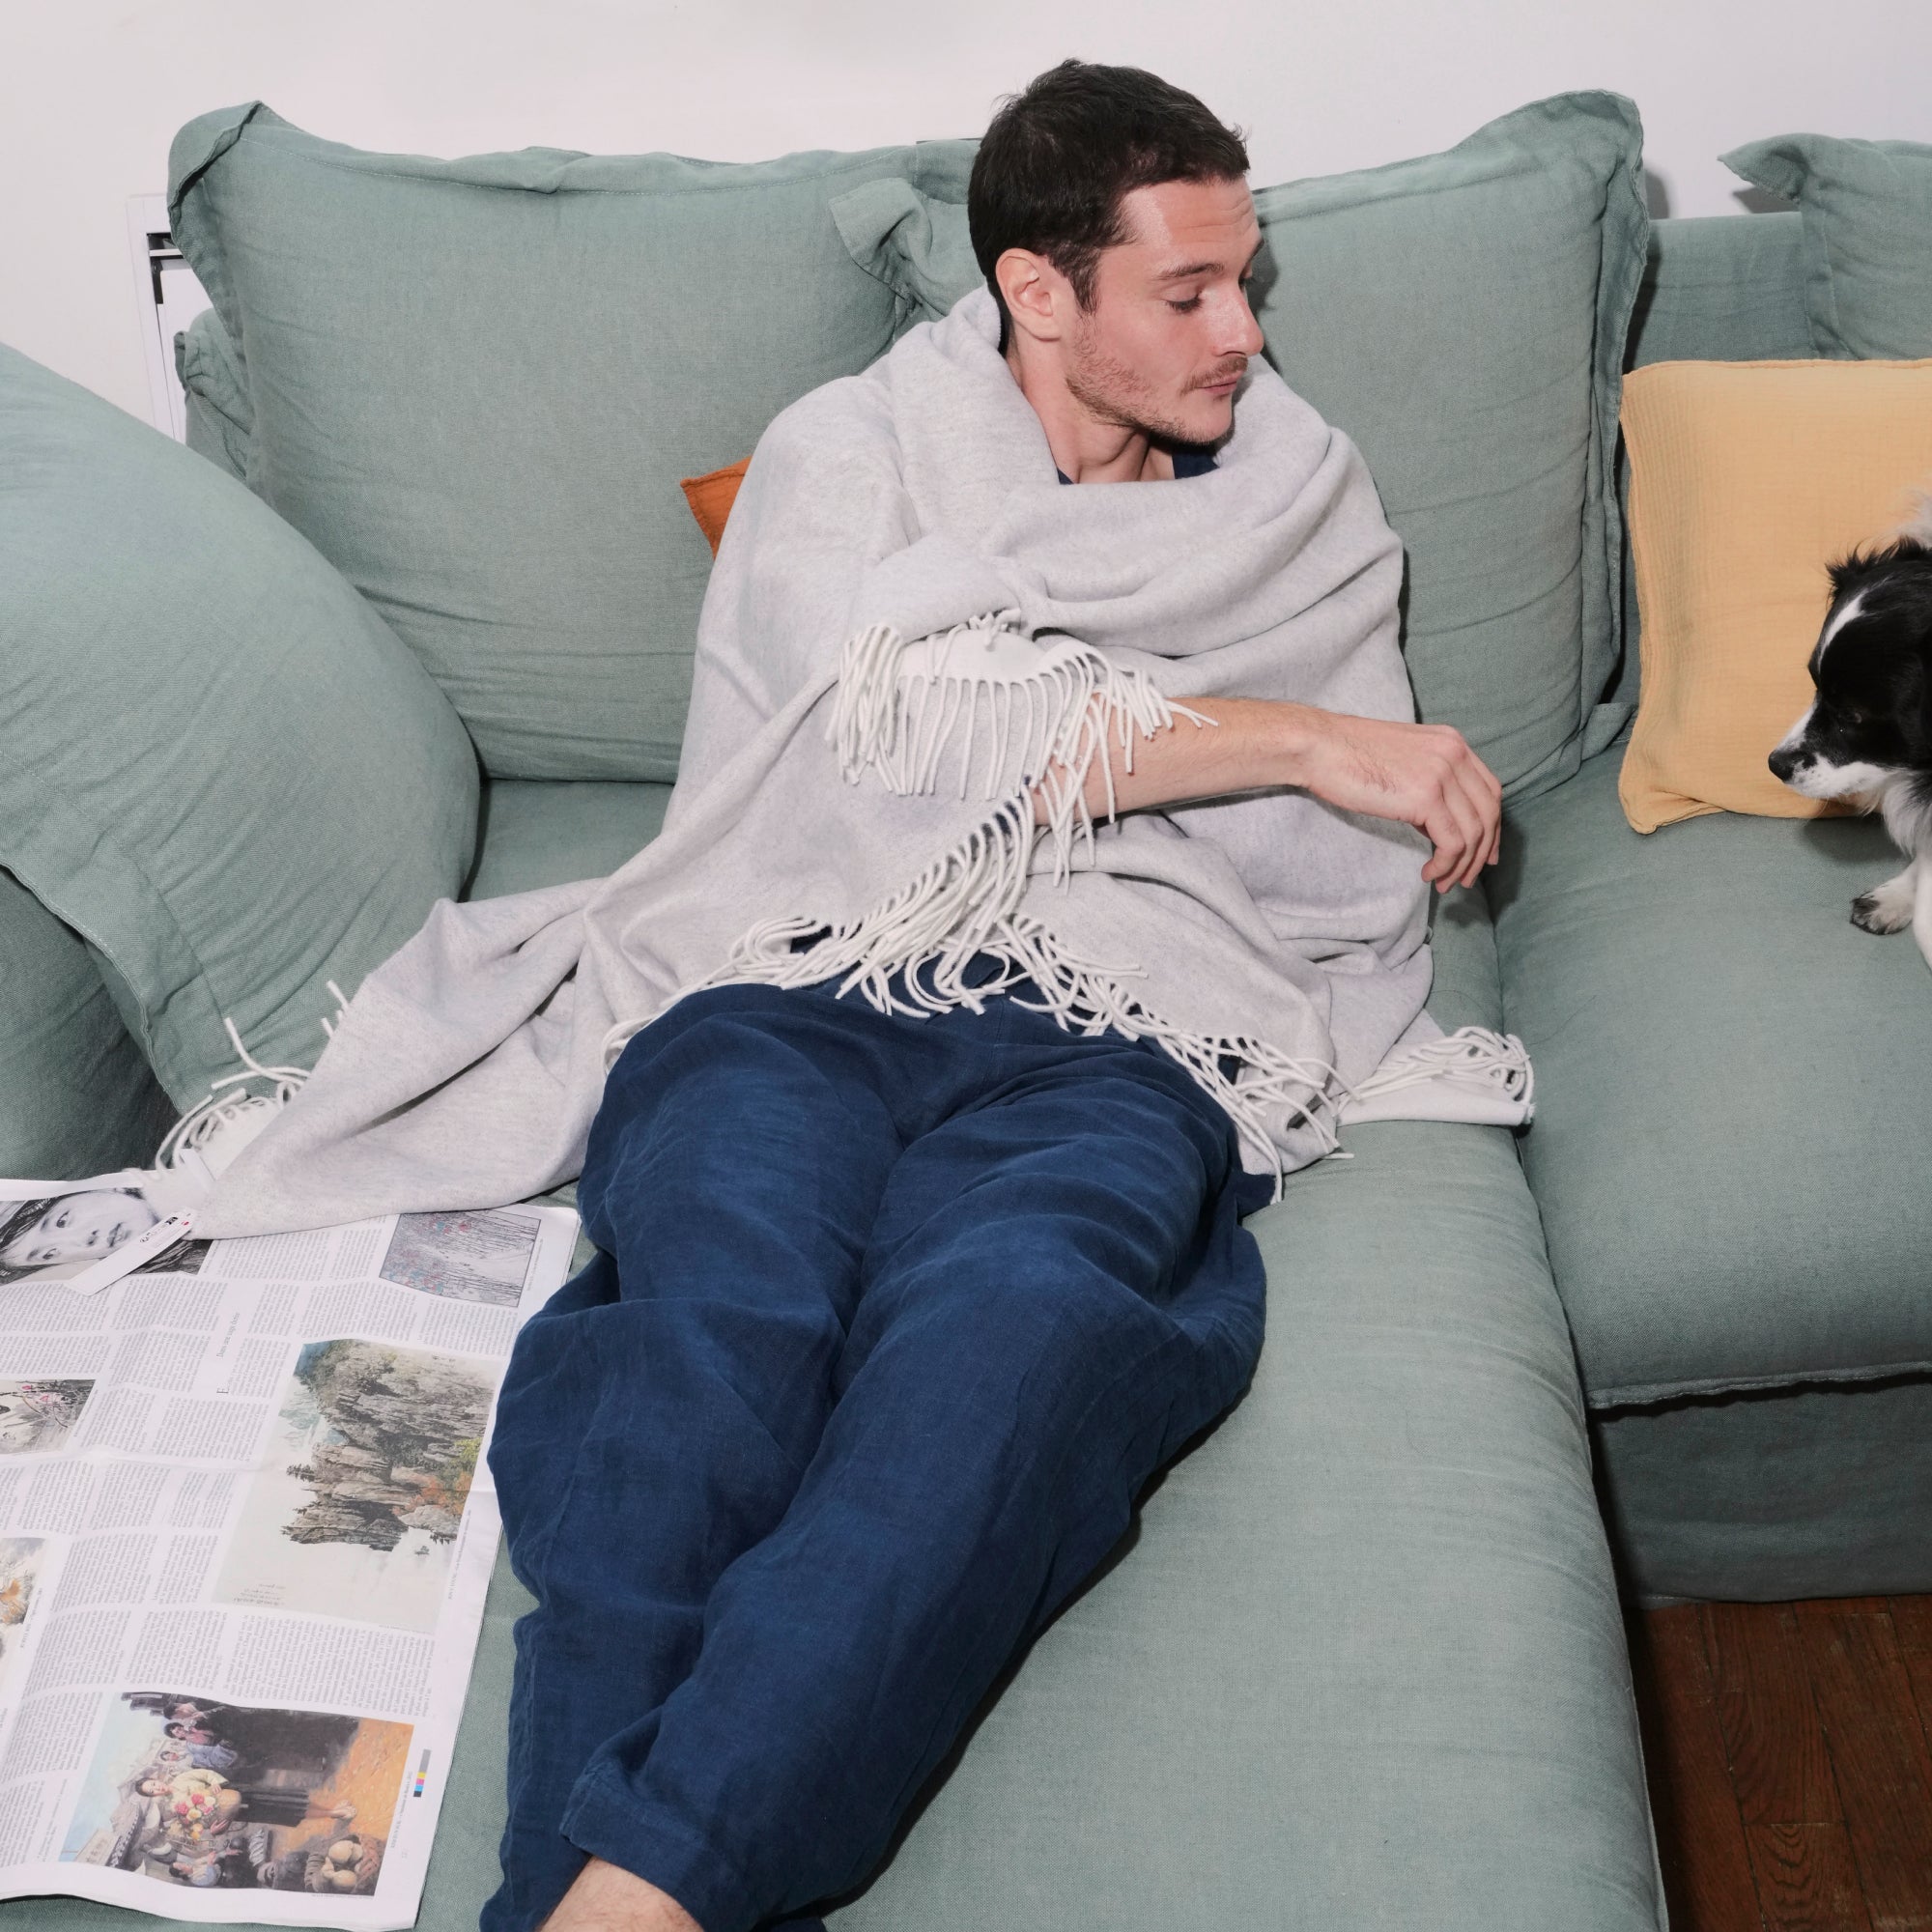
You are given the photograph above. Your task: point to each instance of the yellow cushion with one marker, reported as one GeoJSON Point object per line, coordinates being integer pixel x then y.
{"type": "Point", "coordinates": [1747, 480]}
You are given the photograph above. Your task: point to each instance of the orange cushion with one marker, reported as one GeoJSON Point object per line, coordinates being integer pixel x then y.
{"type": "Point", "coordinates": [711, 498]}
{"type": "Point", "coordinates": [1747, 480]}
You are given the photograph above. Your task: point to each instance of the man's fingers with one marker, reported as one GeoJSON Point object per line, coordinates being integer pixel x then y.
{"type": "Point", "coordinates": [1466, 826]}
{"type": "Point", "coordinates": [1485, 840]}
{"type": "Point", "coordinates": [1469, 835]}
{"type": "Point", "coordinates": [1485, 797]}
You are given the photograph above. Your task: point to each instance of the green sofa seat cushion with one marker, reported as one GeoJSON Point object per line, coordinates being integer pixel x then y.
{"type": "Point", "coordinates": [1732, 1135]}
{"type": "Point", "coordinates": [1866, 210]}
{"type": "Point", "coordinates": [1362, 1663]}
{"type": "Point", "coordinates": [1461, 315]}
{"type": "Point", "coordinates": [225, 773]}
{"type": "Point", "coordinates": [1359, 1663]}
{"type": "Point", "coordinates": [482, 422]}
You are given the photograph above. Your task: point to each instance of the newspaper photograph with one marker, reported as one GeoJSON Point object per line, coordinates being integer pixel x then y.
{"type": "Point", "coordinates": [246, 1527]}
{"type": "Point", "coordinates": [382, 1445]}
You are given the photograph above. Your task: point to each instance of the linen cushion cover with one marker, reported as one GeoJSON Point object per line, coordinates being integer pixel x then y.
{"type": "Point", "coordinates": [1867, 224]}
{"type": "Point", "coordinates": [1463, 318]}
{"type": "Point", "coordinates": [1748, 479]}
{"type": "Point", "coordinates": [1731, 1132]}
{"type": "Point", "coordinates": [1805, 1490]}
{"type": "Point", "coordinates": [75, 1095]}
{"type": "Point", "coordinates": [226, 775]}
{"type": "Point", "coordinates": [220, 420]}
{"type": "Point", "coordinates": [483, 425]}
{"type": "Point", "coordinates": [1715, 286]}
{"type": "Point", "coordinates": [535, 832]}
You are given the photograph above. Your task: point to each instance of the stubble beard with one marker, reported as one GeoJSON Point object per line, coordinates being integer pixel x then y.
{"type": "Point", "coordinates": [1111, 391]}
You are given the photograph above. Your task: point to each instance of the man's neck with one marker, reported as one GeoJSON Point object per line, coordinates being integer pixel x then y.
{"type": "Point", "coordinates": [1086, 449]}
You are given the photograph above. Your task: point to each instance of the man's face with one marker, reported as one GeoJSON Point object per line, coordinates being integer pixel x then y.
{"type": "Point", "coordinates": [1170, 331]}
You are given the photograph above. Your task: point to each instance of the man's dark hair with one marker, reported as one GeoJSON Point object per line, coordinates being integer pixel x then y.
{"type": "Point", "coordinates": [1057, 161]}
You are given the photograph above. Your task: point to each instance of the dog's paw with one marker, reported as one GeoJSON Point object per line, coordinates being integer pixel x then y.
{"type": "Point", "coordinates": [1885, 908]}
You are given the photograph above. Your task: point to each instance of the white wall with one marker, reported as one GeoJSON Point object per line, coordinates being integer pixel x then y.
{"type": "Point", "coordinates": [91, 92]}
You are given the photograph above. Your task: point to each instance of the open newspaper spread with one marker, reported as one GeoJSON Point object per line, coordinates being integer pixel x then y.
{"type": "Point", "coordinates": [246, 1531]}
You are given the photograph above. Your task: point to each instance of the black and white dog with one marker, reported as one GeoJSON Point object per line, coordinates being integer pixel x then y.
{"type": "Point", "coordinates": [1867, 737]}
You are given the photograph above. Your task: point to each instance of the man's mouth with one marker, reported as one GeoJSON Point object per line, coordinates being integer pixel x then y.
{"type": "Point", "coordinates": [1226, 382]}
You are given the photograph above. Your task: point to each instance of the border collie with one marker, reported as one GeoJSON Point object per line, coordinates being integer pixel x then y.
{"type": "Point", "coordinates": [1867, 737]}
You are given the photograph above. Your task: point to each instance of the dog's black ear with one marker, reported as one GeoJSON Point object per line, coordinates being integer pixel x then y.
{"type": "Point", "coordinates": [1847, 571]}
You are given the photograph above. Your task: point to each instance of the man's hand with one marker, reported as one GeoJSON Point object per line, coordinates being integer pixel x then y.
{"type": "Point", "coordinates": [607, 1898]}
{"type": "Point", "coordinates": [1421, 775]}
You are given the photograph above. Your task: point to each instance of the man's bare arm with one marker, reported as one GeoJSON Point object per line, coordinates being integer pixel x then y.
{"type": "Point", "coordinates": [1420, 774]}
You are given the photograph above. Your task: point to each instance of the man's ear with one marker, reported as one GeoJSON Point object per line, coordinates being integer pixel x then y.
{"type": "Point", "coordinates": [1035, 290]}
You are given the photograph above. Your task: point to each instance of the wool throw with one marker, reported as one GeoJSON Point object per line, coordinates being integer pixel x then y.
{"type": "Point", "coordinates": [912, 627]}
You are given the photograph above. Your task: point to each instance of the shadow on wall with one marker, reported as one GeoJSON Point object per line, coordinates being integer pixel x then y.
{"type": "Point", "coordinates": [1749, 200]}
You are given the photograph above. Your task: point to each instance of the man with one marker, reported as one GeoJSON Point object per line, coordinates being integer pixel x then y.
{"type": "Point", "coordinates": [901, 1299]}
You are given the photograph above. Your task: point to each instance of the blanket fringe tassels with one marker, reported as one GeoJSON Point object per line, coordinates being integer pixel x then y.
{"type": "Point", "coordinates": [1025, 715]}
{"type": "Point", "coordinates": [1022, 718]}
{"type": "Point", "coordinates": [207, 1137]}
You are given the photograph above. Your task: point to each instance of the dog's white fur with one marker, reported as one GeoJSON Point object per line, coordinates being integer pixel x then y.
{"type": "Point", "coordinates": [1906, 898]}
{"type": "Point", "coordinates": [1909, 824]}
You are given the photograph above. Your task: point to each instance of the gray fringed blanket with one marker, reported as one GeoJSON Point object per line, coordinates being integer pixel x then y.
{"type": "Point", "coordinates": [910, 624]}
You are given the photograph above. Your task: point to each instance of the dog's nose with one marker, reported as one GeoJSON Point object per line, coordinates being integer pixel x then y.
{"type": "Point", "coordinates": [1783, 764]}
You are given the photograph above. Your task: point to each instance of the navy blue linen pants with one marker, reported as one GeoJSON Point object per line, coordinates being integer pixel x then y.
{"type": "Point", "coordinates": [891, 1322]}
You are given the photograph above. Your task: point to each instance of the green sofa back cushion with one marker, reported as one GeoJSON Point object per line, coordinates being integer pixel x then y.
{"type": "Point", "coordinates": [224, 772]}
{"type": "Point", "coordinates": [1867, 213]}
{"type": "Point", "coordinates": [220, 420]}
{"type": "Point", "coordinates": [1463, 318]}
{"type": "Point", "coordinates": [475, 386]}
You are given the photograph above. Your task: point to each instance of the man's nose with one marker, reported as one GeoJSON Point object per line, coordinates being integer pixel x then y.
{"type": "Point", "coordinates": [1247, 338]}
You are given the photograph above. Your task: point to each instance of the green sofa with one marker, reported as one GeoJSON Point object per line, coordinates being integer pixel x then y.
{"type": "Point", "coordinates": [1362, 1661]}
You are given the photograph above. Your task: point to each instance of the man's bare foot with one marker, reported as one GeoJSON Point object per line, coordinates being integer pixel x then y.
{"type": "Point", "coordinates": [607, 1898]}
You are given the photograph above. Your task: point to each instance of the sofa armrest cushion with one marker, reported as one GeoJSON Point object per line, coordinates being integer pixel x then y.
{"type": "Point", "coordinates": [225, 771]}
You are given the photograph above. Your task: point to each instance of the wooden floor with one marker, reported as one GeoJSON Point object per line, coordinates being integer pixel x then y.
{"type": "Point", "coordinates": [1790, 1772]}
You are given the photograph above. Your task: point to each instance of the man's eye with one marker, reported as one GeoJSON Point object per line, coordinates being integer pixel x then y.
{"type": "Point", "coordinates": [1186, 307]}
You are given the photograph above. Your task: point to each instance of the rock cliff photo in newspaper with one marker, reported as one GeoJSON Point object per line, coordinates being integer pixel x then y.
{"type": "Point", "coordinates": [368, 1468]}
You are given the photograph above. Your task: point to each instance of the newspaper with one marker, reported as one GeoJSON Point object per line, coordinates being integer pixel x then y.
{"type": "Point", "coordinates": [247, 1525]}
